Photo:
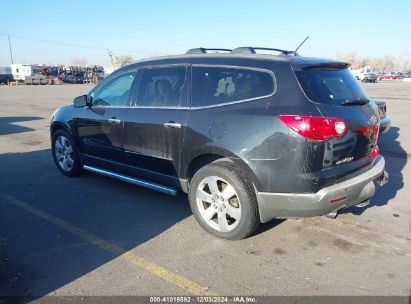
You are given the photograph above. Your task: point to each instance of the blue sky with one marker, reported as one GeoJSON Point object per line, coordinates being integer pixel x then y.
{"type": "Point", "coordinates": [155, 27]}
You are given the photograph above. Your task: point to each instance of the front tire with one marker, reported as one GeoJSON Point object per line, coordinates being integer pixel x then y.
{"type": "Point", "coordinates": [223, 201]}
{"type": "Point", "coordinates": [65, 153]}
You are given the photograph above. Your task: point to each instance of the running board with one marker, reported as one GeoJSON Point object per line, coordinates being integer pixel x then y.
{"type": "Point", "coordinates": [134, 181]}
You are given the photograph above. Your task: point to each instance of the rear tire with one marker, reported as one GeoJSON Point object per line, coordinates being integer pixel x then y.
{"type": "Point", "coordinates": [65, 153]}
{"type": "Point", "coordinates": [223, 201]}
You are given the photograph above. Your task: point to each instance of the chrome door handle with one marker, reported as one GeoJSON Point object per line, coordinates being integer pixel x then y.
{"type": "Point", "coordinates": [172, 125]}
{"type": "Point", "coordinates": [114, 121]}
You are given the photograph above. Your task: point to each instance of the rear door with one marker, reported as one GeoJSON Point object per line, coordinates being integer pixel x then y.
{"type": "Point", "coordinates": [338, 94]}
{"type": "Point", "coordinates": [155, 125]}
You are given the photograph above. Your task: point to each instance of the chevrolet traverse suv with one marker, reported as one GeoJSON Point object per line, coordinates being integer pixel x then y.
{"type": "Point", "coordinates": [249, 136]}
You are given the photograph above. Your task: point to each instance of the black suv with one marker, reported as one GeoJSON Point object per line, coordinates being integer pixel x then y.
{"type": "Point", "coordinates": [249, 136]}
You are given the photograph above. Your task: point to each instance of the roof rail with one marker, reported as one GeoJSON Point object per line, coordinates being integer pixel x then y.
{"type": "Point", "coordinates": [252, 50]}
{"type": "Point", "coordinates": [205, 50]}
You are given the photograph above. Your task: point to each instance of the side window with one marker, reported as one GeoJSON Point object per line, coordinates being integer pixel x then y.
{"type": "Point", "coordinates": [162, 87]}
{"type": "Point", "coordinates": [115, 92]}
{"type": "Point", "coordinates": [217, 85]}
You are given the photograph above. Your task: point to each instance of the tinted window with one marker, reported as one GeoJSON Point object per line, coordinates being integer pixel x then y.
{"type": "Point", "coordinates": [162, 87]}
{"type": "Point", "coordinates": [115, 92]}
{"type": "Point", "coordinates": [216, 85]}
{"type": "Point", "coordinates": [330, 86]}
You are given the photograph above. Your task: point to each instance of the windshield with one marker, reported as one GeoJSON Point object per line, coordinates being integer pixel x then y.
{"type": "Point", "coordinates": [331, 86]}
{"type": "Point", "coordinates": [5, 70]}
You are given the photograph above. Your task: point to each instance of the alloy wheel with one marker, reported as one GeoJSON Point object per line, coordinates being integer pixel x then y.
{"type": "Point", "coordinates": [63, 150]}
{"type": "Point", "coordinates": [218, 203]}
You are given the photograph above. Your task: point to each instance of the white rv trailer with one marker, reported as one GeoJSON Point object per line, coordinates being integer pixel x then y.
{"type": "Point", "coordinates": [21, 71]}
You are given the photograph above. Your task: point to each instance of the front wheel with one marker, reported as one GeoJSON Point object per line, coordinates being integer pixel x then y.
{"type": "Point", "coordinates": [65, 153]}
{"type": "Point", "coordinates": [223, 201]}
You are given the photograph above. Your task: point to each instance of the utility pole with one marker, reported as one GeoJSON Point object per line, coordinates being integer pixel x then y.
{"type": "Point", "coordinates": [11, 52]}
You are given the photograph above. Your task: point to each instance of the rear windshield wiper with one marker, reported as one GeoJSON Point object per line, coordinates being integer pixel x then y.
{"type": "Point", "coordinates": [353, 102]}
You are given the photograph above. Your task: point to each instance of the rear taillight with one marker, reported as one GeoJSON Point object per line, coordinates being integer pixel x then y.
{"type": "Point", "coordinates": [368, 131]}
{"type": "Point", "coordinates": [374, 152]}
{"type": "Point", "coordinates": [376, 130]}
{"type": "Point", "coordinates": [315, 127]}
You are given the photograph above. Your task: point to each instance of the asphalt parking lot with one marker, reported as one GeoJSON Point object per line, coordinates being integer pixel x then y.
{"type": "Point", "coordinates": [96, 236]}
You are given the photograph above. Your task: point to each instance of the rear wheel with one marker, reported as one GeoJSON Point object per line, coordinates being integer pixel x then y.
{"type": "Point", "coordinates": [65, 153]}
{"type": "Point", "coordinates": [223, 201]}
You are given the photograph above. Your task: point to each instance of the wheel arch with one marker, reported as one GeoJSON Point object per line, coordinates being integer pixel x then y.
{"type": "Point", "coordinates": [207, 157]}
{"type": "Point", "coordinates": [58, 125]}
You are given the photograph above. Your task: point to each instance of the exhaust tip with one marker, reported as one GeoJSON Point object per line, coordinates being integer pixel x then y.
{"type": "Point", "coordinates": [332, 215]}
{"type": "Point", "coordinates": [363, 204]}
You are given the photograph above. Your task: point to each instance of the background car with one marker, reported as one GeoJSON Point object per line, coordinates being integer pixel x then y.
{"type": "Point", "coordinates": [399, 76]}
{"type": "Point", "coordinates": [5, 75]}
{"type": "Point", "coordinates": [369, 77]}
{"type": "Point", "coordinates": [385, 121]}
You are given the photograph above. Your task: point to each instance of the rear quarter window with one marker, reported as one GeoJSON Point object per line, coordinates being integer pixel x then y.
{"type": "Point", "coordinates": [220, 85]}
{"type": "Point", "coordinates": [330, 86]}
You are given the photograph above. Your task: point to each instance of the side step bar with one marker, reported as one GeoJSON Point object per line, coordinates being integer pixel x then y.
{"type": "Point", "coordinates": [134, 181]}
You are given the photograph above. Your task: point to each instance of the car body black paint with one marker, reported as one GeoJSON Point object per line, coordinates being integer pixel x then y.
{"type": "Point", "coordinates": [248, 133]}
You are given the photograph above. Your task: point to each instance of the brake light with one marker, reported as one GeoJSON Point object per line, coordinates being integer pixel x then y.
{"type": "Point", "coordinates": [368, 131]}
{"type": "Point", "coordinates": [315, 127]}
{"type": "Point", "coordinates": [376, 130]}
{"type": "Point", "coordinates": [374, 152]}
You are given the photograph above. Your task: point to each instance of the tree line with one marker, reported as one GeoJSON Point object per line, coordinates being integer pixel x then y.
{"type": "Point", "coordinates": [387, 63]}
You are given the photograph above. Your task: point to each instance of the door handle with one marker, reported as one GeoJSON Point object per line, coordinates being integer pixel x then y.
{"type": "Point", "coordinates": [114, 121]}
{"type": "Point", "coordinates": [172, 125]}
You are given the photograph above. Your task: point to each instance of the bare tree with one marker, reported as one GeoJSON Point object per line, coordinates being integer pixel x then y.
{"type": "Point", "coordinates": [387, 63]}
{"type": "Point", "coordinates": [351, 58]}
{"type": "Point", "coordinates": [122, 60]}
{"type": "Point", "coordinates": [403, 60]}
{"type": "Point", "coordinates": [79, 61]}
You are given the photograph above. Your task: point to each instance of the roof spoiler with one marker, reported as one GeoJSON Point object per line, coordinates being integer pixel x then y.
{"type": "Point", "coordinates": [252, 50]}
{"type": "Point", "coordinates": [205, 50]}
{"type": "Point", "coordinates": [324, 66]}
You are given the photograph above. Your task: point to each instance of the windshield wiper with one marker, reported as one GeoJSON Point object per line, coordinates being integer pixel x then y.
{"type": "Point", "coordinates": [359, 101]}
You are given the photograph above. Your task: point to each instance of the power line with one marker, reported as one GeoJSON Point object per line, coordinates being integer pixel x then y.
{"type": "Point", "coordinates": [71, 44]}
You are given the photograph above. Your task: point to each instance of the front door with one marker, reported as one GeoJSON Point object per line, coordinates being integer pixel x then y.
{"type": "Point", "coordinates": [155, 125]}
{"type": "Point", "coordinates": [100, 128]}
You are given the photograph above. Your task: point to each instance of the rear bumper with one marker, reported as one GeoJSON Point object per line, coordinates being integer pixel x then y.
{"type": "Point", "coordinates": [353, 191]}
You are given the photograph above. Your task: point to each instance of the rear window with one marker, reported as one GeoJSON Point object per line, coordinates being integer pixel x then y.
{"type": "Point", "coordinates": [218, 85]}
{"type": "Point", "coordinates": [333, 86]}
